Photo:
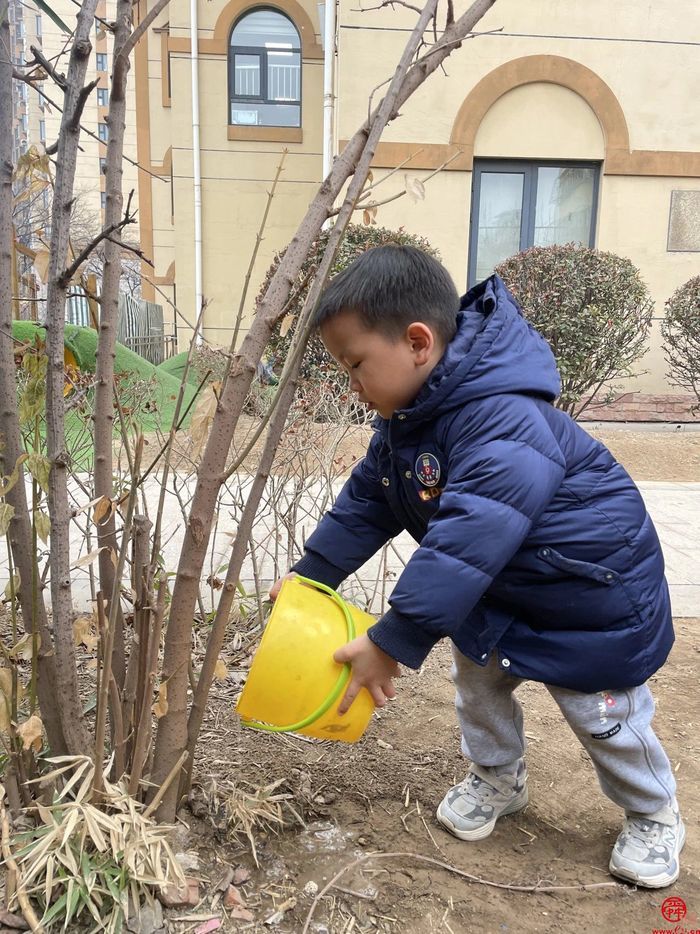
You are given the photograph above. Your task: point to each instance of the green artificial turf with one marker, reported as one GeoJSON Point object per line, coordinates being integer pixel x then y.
{"type": "Point", "coordinates": [175, 366]}
{"type": "Point", "coordinates": [139, 378]}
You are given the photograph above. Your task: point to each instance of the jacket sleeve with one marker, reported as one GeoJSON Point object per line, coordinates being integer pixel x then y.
{"type": "Point", "coordinates": [501, 477]}
{"type": "Point", "coordinates": [359, 524]}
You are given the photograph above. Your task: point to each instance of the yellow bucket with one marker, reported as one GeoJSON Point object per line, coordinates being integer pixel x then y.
{"type": "Point", "coordinates": [293, 684]}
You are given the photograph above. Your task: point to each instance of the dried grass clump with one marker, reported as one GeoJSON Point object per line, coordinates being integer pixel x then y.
{"type": "Point", "coordinates": [247, 809]}
{"type": "Point", "coordinates": [101, 858]}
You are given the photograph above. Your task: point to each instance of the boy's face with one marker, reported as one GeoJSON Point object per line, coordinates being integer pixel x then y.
{"type": "Point", "coordinates": [386, 373]}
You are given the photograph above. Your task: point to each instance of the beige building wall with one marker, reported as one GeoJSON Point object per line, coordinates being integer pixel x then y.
{"type": "Point", "coordinates": [646, 58]}
{"type": "Point", "coordinates": [617, 85]}
{"type": "Point", "coordinates": [238, 166]}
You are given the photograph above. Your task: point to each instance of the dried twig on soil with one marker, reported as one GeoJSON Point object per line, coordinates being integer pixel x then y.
{"type": "Point", "coordinates": [536, 888]}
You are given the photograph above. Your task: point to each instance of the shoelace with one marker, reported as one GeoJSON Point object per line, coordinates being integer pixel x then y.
{"type": "Point", "coordinates": [648, 833]}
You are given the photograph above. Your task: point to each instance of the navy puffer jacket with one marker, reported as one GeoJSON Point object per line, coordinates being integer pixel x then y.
{"type": "Point", "coordinates": [533, 540]}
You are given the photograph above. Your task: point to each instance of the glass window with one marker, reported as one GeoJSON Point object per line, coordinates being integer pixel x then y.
{"type": "Point", "coordinates": [102, 97]}
{"type": "Point", "coordinates": [103, 132]}
{"type": "Point", "coordinates": [103, 199]}
{"type": "Point", "coordinates": [103, 164]}
{"type": "Point", "coordinates": [516, 205]}
{"type": "Point", "coordinates": [101, 61]}
{"type": "Point", "coordinates": [42, 131]}
{"type": "Point", "coordinates": [265, 71]}
{"type": "Point", "coordinates": [38, 25]}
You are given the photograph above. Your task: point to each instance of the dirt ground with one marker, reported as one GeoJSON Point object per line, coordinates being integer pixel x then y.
{"type": "Point", "coordinates": [648, 454]}
{"type": "Point", "coordinates": [655, 454]}
{"type": "Point", "coordinates": [380, 796]}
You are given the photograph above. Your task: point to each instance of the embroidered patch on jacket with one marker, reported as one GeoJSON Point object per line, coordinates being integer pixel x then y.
{"type": "Point", "coordinates": [427, 495]}
{"type": "Point", "coordinates": [608, 733]}
{"type": "Point", "coordinates": [428, 469]}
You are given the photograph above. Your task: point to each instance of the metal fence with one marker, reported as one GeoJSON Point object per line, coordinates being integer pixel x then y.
{"type": "Point", "coordinates": [140, 326]}
{"type": "Point", "coordinates": [141, 329]}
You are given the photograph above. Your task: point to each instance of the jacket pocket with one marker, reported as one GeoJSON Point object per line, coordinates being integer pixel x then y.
{"type": "Point", "coordinates": [576, 568]}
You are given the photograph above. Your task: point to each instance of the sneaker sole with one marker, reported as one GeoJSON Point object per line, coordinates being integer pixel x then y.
{"type": "Point", "coordinates": [654, 882]}
{"type": "Point", "coordinates": [485, 830]}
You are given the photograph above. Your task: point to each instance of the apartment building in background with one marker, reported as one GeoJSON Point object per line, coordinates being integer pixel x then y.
{"type": "Point", "coordinates": [559, 122]}
{"type": "Point", "coordinates": [37, 119]}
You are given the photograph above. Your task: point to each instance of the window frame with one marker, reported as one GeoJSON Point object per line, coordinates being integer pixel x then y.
{"type": "Point", "coordinates": [528, 169]}
{"type": "Point", "coordinates": [99, 57]}
{"type": "Point", "coordinates": [262, 53]}
{"type": "Point", "coordinates": [103, 93]}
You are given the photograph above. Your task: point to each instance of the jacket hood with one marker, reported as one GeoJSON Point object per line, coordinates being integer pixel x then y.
{"type": "Point", "coordinates": [494, 351]}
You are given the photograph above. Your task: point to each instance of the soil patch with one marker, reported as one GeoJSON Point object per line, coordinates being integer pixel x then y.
{"type": "Point", "coordinates": [381, 793]}
{"type": "Point", "coordinates": [322, 448]}
{"type": "Point", "coordinates": [654, 455]}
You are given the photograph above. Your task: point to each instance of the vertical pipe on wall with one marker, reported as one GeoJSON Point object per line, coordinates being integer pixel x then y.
{"type": "Point", "coordinates": [328, 33]}
{"type": "Point", "coordinates": [196, 164]}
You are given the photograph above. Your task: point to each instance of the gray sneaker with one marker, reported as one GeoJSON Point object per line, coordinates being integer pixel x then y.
{"type": "Point", "coordinates": [470, 810]}
{"type": "Point", "coordinates": [647, 852]}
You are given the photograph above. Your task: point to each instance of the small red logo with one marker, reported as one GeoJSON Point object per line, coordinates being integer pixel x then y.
{"type": "Point", "coordinates": [674, 909]}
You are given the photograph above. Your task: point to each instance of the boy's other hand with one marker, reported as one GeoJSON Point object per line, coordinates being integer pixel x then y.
{"type": "Point", "coordinates": [371, 668]}
{"type": "Point", "coordinates": [277, 586]}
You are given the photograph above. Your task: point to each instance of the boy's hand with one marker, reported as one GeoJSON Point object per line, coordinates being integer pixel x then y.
{"type": "Point", "coordinates": [277, 586]}
{"type": "Point", "coordinates": [371, 669]}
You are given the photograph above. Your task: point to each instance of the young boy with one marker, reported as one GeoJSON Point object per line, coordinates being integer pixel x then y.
{"type": "Point", "coordinates": [536, 555]}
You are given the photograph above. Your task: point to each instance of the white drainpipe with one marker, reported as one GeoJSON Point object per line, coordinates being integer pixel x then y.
{"type": "Point", "coordinates": [196, 163]}
{"type": "Point", "coordinates": [328, 32]}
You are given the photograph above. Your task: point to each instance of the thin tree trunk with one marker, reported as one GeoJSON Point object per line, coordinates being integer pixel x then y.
{"type": "Point", "coordinates": [67, 697]}
{"type": "Point", "coordinates": [233, 573]}
{"type": "Point", "coordinates": [107, 333]}
{"type": "Point", "coordinates": [20, 532]}
{"type": "Point", "coordinates": [172, 728]}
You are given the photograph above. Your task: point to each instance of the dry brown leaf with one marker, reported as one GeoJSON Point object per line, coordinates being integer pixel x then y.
{"type": "Point", "coordinates": [84, 632]}
{"type": "Point", "coordinates": [104, 510]}
{"type": "Point", "coordinates": [40, 468]}
{"type": "Point", "coordinates": [6, 483]}
{"type": "Point", "coordinates": [6, 514]}
{"type": "Point", "coordinates": [287, 322]}
{"type": "Point", "coordinates": [41, 264]}
{"type": "Point", "coordinates": [204, 416]}
{"type": "Point", "coordinates": [5, 698]}
{"type": "Point", "coordinates": [87, 506]}
{"type": "Point", "coordinates": [42, 523]}
{"type": "Point", "coordinates": [160, 708]}
{"type": "Point", "coordinates": [24, 648]}
{"type": "Point", "coordinates": [220, 670]}
{"type": "Point", "coordinates": [87, 559]}
{"type": "Point", "coordinates": [13, 586]}
{"type": "Point", "coordinates": [31, 733]}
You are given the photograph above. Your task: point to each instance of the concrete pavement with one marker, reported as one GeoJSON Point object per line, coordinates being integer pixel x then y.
{"type": "Point", "coordinates": [674, 507]}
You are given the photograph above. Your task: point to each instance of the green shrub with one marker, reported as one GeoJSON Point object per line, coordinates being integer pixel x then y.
{"type": "Point", "coordinates": [681, 333]}
{"type": "Point", "coordinates": [320, 377]}
{"type": "Point", "coordinates": [592, 307]}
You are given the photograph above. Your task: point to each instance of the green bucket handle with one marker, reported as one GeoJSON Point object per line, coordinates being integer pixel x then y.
{"type": "Point", "coordinates": [337, 688]}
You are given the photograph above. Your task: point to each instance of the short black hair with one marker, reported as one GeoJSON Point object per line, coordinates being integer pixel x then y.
{"type": "Point", "coordinates": [388, 287]}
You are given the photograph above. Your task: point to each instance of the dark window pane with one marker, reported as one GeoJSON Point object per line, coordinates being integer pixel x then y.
{"type": "Point", "coordinates": [246, 113]}
{"type": "Point", "coordinates": [283, 76]}
{"type": "Point", "coordinates": [564, 205]}
{"type": "Point", "coordinates": [246, 75]}
{"type": "Point", "coordinates": [500, 216]}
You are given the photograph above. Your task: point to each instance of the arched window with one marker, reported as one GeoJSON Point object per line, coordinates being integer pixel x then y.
{"type": "Point", "coordinates": [264, 70]}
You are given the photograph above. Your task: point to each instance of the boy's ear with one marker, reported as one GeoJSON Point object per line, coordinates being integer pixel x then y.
{"type": "Point", "coordinates": [422, 341]}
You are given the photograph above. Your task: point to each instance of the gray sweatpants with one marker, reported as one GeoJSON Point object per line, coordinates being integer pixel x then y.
{"type": "Point", "coordinates": [614, 728]}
